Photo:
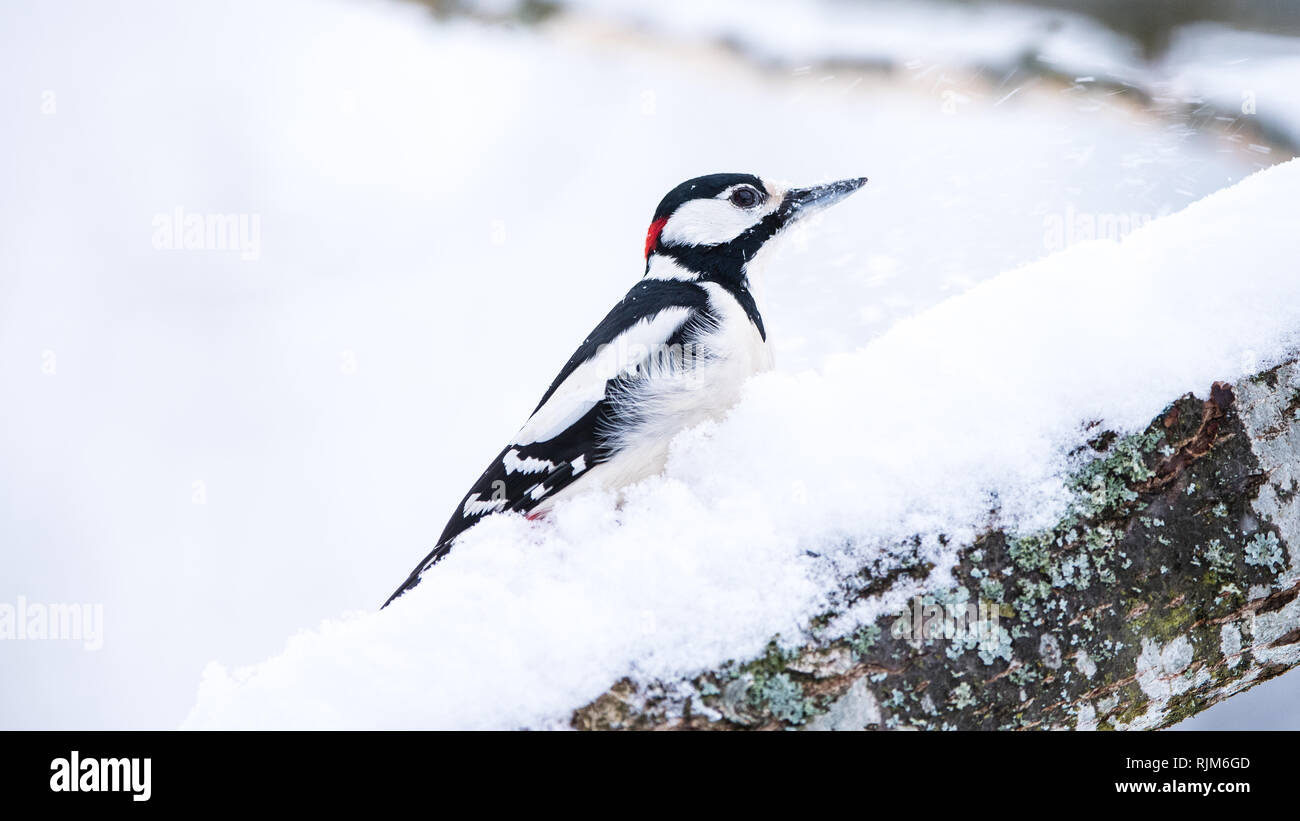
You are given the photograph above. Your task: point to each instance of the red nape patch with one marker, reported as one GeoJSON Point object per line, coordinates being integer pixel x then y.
{"type": "Point", "coordinates": [652, 236]}
{"type": "Point", "coordinates": [532, 517]}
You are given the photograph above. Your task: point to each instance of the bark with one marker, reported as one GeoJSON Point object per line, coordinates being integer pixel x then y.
{"type": "Point", "coordinates": [1173, 584]}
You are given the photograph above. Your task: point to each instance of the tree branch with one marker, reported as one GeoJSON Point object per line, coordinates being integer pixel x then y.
{"type": "Point", "coordinates": [1174, 583]}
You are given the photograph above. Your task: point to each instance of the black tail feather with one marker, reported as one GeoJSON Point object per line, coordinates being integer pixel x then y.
{"type": "Point", "coordinates": [559, 475]}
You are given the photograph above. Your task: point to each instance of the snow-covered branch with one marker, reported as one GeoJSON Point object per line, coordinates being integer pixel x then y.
{"type": "Point", "coordinates": [1169, 587]}
{"type": "Point", "coordinates": [1021, 450]}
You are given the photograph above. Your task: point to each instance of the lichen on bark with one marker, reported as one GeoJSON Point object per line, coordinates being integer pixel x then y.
{"type": "Point", "coordinates": [1172, 583]}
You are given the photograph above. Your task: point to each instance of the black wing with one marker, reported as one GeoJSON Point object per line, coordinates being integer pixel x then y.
{"type": "Point", "coordinates": [534, 467]}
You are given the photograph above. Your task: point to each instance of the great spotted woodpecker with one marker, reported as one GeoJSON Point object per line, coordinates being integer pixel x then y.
{"type": "Point", "coordinates": [673, 353]}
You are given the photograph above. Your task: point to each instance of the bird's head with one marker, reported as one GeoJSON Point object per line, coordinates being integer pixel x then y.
{"type": "Point", "coordinates": [716, 224]}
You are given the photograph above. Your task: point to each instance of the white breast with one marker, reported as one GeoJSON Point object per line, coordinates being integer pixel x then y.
{"type": "Point", "coordinates": [669, 403]}
{"type": "Point", "coordinates": [738, 349]}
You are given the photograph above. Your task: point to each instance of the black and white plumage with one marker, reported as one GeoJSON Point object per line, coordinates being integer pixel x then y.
{"type": "Point", "coordinates": [672, 353]}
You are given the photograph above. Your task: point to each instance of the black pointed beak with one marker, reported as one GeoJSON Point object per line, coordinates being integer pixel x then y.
{"type": "Point", "coordinates": [800, 202]}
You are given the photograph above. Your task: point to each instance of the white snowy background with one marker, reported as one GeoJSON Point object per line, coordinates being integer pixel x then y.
{"type": "Point", "coordinates": [229, 452]}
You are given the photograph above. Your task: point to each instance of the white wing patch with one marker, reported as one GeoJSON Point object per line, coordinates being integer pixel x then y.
{"type": "Point", "coordinates": [475, 507]}
{"type": "Point", "coordinates": [529, 464]}
{"type": "Point", "coordinates": [585, 387]}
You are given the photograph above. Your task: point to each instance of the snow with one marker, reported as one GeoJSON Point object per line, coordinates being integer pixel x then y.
{"type": "Point", "coordinates": [1246, 73]}
{"type": "Point", "coordinates": [222, 451]}
{"type": "Point", "coordinates": [885, 32]}
{"type": "Point", "coordinates": [975, 399]}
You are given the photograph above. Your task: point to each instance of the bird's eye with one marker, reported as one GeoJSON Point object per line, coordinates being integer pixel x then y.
{"type": "Point", "coordinates": [744, 197]}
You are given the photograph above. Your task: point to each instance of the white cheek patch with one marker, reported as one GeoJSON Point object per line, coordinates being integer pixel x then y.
{"type": "Point", "coordinates": [708, 222]}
